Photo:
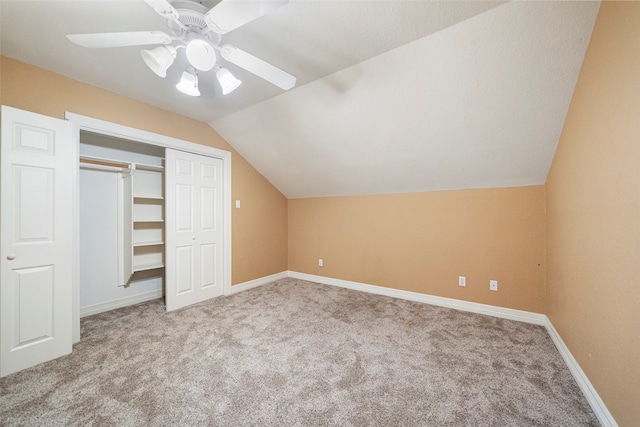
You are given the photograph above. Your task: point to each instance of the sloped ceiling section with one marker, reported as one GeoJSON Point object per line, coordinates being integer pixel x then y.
{"type": "Point", "coordinates": [307, 38]}
{"type": "Point", "coordinates": [478, 104]}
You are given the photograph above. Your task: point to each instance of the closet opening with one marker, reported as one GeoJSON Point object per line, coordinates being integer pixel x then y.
{"type": "Point", "coordinates": [174, 197]}
{"type": "Point", "coordinates": [121, 209]}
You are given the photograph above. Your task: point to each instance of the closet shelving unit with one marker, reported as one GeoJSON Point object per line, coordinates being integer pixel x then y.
{"type": "Point", "coordinates": [141, 216]}
{"type": "Point", "coordinates": [147, 190]}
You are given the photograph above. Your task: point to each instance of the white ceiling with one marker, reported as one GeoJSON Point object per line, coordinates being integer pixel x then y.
{"type": "Point", "coordinates": [478, 104]}
{"type": "Point", "coordinates": [392, 96]}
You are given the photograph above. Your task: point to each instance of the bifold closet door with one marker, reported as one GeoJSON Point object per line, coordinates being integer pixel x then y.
{"type": "Point", "coordinates": [36, 226]}
{"type": "Point", "coordinates": [193, 205]}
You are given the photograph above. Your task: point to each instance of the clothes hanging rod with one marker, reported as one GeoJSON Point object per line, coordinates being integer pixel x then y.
{"type": "Point", "coordinates": [113, 164]}
{"type": "Point", "coordinates": [93, 166]}
{"type": "Point", "coordinates": [119, 163]}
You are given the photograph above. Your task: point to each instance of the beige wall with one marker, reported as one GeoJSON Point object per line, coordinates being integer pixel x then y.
{"type": "Point", "coordinates": [422, 242]}
{"type": "Point", "coordinates": [259, 226]}
{"type": "Point", "coordinates": [593, 205]}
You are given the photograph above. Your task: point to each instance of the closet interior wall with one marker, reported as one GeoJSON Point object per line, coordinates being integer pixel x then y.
{"type": "Point", "coordinates": [100, 201]}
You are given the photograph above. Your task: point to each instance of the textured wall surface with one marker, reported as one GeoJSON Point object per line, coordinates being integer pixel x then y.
{"type": "Point", "coordinates": [593, 205]}
{"type": "Point", "coordinates": [422, 242]}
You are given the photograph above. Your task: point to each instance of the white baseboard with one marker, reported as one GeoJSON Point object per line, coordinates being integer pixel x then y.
{"type": "Point", "coordinates": [596, 403]}
{"type": "Point", "coordinates": [122, 302]}
{"type": "Point", "coordinates": [474, 307]}
{"type": "Point", "coordinates": [258, 282]}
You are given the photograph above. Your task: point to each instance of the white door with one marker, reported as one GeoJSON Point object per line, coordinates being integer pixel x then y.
{"type": "Point", "coordinates": [193, 229]}
{"type": "Point", "coordinates": [35, 239]}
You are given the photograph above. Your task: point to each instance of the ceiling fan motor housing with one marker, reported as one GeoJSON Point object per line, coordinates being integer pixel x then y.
{"type": "Point", "coordinates": [191, 15]}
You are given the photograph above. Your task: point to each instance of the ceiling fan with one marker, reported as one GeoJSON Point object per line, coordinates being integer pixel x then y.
{"type": "Point", "coordinates": [199, 31]}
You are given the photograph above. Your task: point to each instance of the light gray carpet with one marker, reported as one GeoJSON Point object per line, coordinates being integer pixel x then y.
{"type": "Point", "coordinates": [300, 353]}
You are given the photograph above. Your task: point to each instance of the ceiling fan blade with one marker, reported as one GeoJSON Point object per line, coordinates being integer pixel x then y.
{"type": "Point", "coordinates": [135, 38]}
{"type": "Point", "coordinates": [164, 9]}
{"type": "Point", "coordinates": [257, 66]}
{"type": "Point", "coordinates": [231, 14]}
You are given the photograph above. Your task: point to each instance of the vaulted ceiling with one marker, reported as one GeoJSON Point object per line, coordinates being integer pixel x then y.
{"type": "Point", "coordinates": [392, 96]}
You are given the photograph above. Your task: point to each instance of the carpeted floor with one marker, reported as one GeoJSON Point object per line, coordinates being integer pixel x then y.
{"type": "Point", "coordinates": [300, 353]}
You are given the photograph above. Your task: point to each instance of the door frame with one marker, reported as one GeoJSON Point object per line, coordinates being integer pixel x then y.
{"type": "Point", "coordinates": [84, 123]}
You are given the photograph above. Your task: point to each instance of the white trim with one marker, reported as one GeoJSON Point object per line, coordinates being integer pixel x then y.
{"type": "Point", "coordinates": [120, 131]}
{"type": "Point", "coordinates": [90, 124]}
{"type": "Point", "coordinates": [75, 238]}
{"type": "Point", "coordinates": [474, 307]}
{"type": "Point", "coordinates": [240, 287]}
{"type": "Point", "coordinates": [118, 303]}
{"type": "Point", "coordinates": [596, 403]}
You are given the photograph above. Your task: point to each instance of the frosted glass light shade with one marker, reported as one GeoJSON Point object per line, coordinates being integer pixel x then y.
{"type": "Point", "coordinates": [189, 83]}
{"type": "Point", "coordinates": [227, 80]}
{"type": "Point", "coordinates": [201, 55]}
{"type": "Point", "coordinates": [159, 59]}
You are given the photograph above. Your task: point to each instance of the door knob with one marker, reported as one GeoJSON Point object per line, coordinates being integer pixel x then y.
{"type": "Point", "coordinates": [11, 257]}
{"type": "Point", "coordinates": [193, 238]}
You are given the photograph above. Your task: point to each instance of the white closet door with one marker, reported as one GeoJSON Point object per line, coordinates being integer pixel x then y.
{"type": "Point", "coordinates": [193, 228]}
{"type": "Point", "coordinates": [35, 226]}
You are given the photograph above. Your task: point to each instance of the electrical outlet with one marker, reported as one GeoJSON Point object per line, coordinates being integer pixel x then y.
{"type": "Point", "coordinates": [320, 262]}
{"type": "Point", "coordinates": [493, 285]}
{"type": "Point", "coordinates": [462, 281]}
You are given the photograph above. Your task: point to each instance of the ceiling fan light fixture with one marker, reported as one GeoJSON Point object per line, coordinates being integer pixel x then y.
{"type": "Point", "coordinates": [189, 83]}
{"type": "Point", "coordinates": [227, 80]}
{"type": "Point", "coordinates": [159, 59]}
{"type": "Point", "coordinates": [201, 55]}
